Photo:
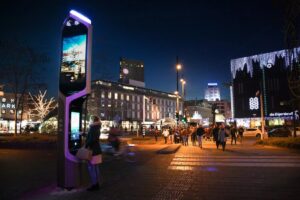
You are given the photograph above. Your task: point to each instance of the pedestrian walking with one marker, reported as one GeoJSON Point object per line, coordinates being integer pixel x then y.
{"type": "Point", "coordinates": [215, 134]}
{"type": "Point", "coordinates": [200, 133]}
{"type": "Point", "coordinates": [92, 143]}
{"type": "Point", "coordinates": [193, 135]}
{"type": "Point", "coordinates": [171, 135]}
{"type": "Point", "coordinates": [184, 133]}
{"type": "Point", "coordinates": [233, 134]}
{"type": "Point", "coordinates": [241, 132]}
{"type": "Point", "coordinates": [222, 136]}
{"type": "Point", "coordinates": [166, 135]}
{"type": "Point", "coordinates": [156, 133]}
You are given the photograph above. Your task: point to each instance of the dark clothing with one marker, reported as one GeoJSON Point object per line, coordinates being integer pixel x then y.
{"type": "Point", "coordinates": [92, 139]}
{"type": "Point", "coordinates": [233, 135]}
{"type": "Point", "coordinates": [200, 131]}
{"type": "Point", "coordinates": [193, 138]}
{"type": "Point", "coordinates": [215, 133]}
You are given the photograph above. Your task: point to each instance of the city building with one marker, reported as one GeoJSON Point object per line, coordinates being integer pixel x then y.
{"type": "Point", "coordinates": [132, 72]}
{"type": "Point", "coordinates": [203, 108]}
{"type": "Point", "coordinates": [198, 111]}
{"type": "Point", "coordinates": [7, 112]}
{"type": "Point", "coordinates": [212, 92]}
{"type": "Point", "coordinates": [130, 106]}
{"type": "Point", "coordinates": [266, 73]}
{"type": "Point", "coordinates": [223, 107]}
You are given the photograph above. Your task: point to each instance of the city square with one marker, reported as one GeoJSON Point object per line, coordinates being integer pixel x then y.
{"type": "Point", "coordinates": [150, 100]}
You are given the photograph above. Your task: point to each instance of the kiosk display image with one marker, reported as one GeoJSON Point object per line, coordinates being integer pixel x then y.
{"type": "Point", "coordinates": [73, 59]}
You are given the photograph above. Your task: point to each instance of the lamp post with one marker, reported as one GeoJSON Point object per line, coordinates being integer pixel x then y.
{"type": "Point", "coordinates": [258, 93]}
{"type": "Point", "coordinates": [178, 68]}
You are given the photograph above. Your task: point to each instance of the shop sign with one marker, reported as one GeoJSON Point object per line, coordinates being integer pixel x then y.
{"type": "Point", "coordinates": [285, 114]}
{"type": "Point", "coordinates": [253, 103]}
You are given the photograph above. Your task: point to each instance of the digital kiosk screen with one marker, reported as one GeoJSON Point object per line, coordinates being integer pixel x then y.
{"type": "Point", "coordinates": [75, 125]}
{"type": "Point", "coordinates": [74, 55]}
{"type": "Point", "coordinates": [73, 59]}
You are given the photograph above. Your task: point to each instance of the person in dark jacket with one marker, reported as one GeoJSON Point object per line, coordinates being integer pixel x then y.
{"type": "Point", "coordinates": [215, 133]}
{"type": "Point", "coordinates": [233, 134]}
{"type": "Point", "coordinates": [92, 143]}
{"type": "Point", "coordinates": [200, 132]}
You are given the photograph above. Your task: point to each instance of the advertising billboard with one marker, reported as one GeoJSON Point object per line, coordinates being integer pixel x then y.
{"type": "Point", "coordinates": [73, 70]}
{"type": "Point", "coordinates": [73, 59]}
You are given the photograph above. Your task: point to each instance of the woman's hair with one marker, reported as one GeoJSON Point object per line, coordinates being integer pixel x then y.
{"type": "Point", "coordinates": [95, 119]}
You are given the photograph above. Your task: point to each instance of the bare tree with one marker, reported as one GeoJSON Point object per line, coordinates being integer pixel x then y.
{"type": "Point", "coordinates": [41, 106]}
{"type": "Point", "coordinates": [20, 66]}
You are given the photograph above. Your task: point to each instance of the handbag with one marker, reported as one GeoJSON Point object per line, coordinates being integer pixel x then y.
{"type": "Point", "coordinates": [96, 159]}
{"type": "Point", "coordinates": [84, 153]}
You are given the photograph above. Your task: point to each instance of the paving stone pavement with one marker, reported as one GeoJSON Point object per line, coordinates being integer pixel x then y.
{"type": "Point", "coordinates": [243, 171]}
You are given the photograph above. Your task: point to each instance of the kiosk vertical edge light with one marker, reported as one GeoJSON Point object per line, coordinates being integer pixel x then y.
{"type": "Point", "coordinates": [74, 86]}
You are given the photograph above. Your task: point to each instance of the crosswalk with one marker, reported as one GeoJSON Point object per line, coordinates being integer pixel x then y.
{"type": "Point", "coordinates": [190, 162]}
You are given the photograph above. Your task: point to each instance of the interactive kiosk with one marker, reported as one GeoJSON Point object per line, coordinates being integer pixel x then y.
{"type": "Point", "coordinates": [74, 86]}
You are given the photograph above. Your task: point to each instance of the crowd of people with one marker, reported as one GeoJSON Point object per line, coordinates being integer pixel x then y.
{"type": "Point", "coordinates": [219, 133]}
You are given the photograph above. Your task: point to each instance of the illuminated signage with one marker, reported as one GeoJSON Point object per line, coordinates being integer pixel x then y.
{"type": "Point", "coordinates": [253, 103]}
{"type": "Point", "coordinates": [212, 84]}
{"type": "Point", "coordinates": [285, 114]}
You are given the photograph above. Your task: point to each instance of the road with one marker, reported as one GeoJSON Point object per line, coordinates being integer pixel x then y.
{"type": "Point", "coordinates": [243, 171]}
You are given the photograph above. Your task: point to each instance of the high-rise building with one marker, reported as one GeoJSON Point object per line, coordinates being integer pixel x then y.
{"type": "Point", "coordinates": [266, 73]}
{"type": "Point", "coordinates": [132, 72]}
{"type": "Point", "coordinates": [212, 92]}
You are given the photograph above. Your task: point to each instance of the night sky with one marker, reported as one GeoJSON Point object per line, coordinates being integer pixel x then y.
{"type": "Point", "coordinates": [204, 34]}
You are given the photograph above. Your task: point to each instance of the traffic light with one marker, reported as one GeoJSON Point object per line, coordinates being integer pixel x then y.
{"type": "Point", "coordinates": [184, 119]}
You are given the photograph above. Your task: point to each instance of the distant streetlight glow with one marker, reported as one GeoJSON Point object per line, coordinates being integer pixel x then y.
{"type": "Point", "coordinates": [178, 67]}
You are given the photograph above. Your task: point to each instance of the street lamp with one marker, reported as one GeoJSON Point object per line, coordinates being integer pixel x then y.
{"type": "Point", "coordinates": [258, 93]}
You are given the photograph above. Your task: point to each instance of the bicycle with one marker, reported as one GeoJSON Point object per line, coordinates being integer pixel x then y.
{"type": "Point", "coordinates": [127, 152]}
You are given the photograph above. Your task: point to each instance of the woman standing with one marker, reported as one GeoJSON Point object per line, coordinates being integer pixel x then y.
{"type": "Point", "coordinates": [92, 143]}
{"type": "Point", "coordinates": [166, 134]}
{"type": "Point", "coordinates": [222, 136]}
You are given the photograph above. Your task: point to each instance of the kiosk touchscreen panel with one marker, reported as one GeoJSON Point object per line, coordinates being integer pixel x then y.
{"type": "Point", "coordinates": [75, 126]}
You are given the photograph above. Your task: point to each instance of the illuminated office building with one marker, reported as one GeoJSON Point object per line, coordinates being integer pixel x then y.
{"type": "Point", "coordinates": [212, 92]}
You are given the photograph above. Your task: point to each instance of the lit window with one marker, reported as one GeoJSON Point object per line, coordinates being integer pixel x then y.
{"type": "Point", "coordinates": [102, 95]}
{"type": "Point", "coordinates": [127, 97]}
{"type": "Point", "coordinates": [122, 97]}
{"type": "Point", "coordinates": [116, 96]}
{"type": "Point", "coordinates": [109, 95]}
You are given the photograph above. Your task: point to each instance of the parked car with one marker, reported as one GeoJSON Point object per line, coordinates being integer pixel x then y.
{"type": "Point", "coordinates": [252, 132]}
{"type": "Point", "coordinates": [280, 132]}
{"type": "Point", "coordinates": [297, 131]}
